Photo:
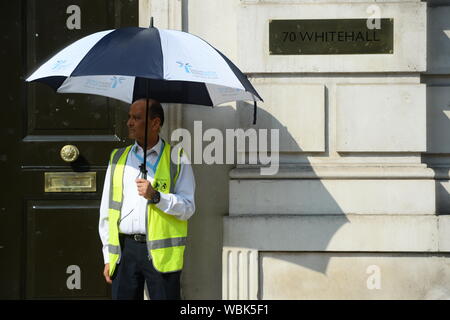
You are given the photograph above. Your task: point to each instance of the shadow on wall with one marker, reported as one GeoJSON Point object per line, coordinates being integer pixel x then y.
{"type": "Point", "coordinates": [438, 111]}
{"type": "Point", "coordinates": [202, 275]}
{"type": "Point", "coordinates": [438, 102]}
{"type": "Point", "coordinates": [438, 36]}
{"type": "Point", "coordinates": [322, 215]}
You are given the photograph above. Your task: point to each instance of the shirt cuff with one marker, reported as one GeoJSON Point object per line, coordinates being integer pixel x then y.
{"type": "Point", "coordinates": [164, 203]}
{"type": "Point", "coordinates": [105, 254]}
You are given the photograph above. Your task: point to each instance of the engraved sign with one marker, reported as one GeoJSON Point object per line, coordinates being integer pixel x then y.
{"type": "Point", "coordinates": [70, 182]}
{"type": "Point", "coordinates": [331, 36]}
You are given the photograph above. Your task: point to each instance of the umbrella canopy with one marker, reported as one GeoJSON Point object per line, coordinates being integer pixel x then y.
{"type": "Point", "coordinates": [134, 63]}
{"type": "Point", "coordinates": [177, 67]}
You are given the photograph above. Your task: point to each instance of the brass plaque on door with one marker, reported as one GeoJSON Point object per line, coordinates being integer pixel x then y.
{"type": "Point", "coordinates": [70, 182]}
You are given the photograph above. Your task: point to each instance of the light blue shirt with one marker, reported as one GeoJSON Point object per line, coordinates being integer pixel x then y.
{"type": "Point", "coordinates": [181, 203]}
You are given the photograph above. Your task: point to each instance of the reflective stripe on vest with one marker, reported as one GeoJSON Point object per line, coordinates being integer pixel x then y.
{"type": "Point", "coordinates": [113, 249]}
{"type": "Point", "coordinates": [117, 161]}
{"type": "Point", "coordinates": [165, 243]}
{"type": "Point", "coordinates": [166, 235]}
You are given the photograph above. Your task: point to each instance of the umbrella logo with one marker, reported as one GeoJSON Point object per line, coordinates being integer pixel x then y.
{"type": "Point", "coordinates": [116, 81]}
{"type": "Point", "coordinates": [104, 83]}
{"type": "Point", "coordinates": [187, 66]}
{"type": "Point", "coordinates": [60, 64]}
{"type": "Point", "coordinates": [196, 72]}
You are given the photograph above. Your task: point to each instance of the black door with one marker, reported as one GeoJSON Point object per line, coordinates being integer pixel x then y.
{"type": "Point", "coordinates": [49, 210]}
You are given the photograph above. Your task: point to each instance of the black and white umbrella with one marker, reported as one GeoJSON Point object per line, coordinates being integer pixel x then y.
{"type": "Point", "coordinates": [133, 63]}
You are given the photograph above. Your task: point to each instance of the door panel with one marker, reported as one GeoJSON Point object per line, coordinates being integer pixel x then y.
{"type": "Point", "coordinates": [63, 246]}
{"type": "Point", "coordinates": [47, 238]}
{"type": "Point", "coordinates": [51, 118]}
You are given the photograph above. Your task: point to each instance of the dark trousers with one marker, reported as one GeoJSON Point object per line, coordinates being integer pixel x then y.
{"type": "Point", "coordinates": [135, 269]}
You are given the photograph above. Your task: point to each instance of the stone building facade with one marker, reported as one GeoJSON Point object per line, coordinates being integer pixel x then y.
{"type": "Point", "coordinates": [359, 208]}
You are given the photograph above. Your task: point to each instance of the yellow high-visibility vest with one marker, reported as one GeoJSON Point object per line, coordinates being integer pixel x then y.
{"type": "Point", "coordinates": [166, 235]}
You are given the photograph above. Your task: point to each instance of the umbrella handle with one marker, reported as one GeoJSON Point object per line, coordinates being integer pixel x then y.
{"type": "Point", "coordinates": [143, 171]}
{"type": "Point", "coordinates": [254, 111]}
{"type": "Point", "coordinates": [143, 165]}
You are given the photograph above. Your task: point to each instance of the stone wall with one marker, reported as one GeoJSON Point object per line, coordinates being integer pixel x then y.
{"type": "Point", "coordinates": [359, 208]}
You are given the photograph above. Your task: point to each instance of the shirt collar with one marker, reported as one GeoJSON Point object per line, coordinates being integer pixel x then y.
{"type": "Point", "coordinates": [156, 148]}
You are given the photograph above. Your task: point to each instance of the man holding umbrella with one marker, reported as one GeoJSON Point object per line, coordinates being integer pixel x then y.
{"type": "Point", "coordinates": [143, 223]}
{"type": "Point", "coordinates": [143, 226]}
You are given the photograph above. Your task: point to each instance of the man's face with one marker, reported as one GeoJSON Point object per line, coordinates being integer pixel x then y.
{"type": "Point", "coordinates": [136, 123]}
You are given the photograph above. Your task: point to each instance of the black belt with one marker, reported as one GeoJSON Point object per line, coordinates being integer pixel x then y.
{"type": "Point", "coordinates": [135, 237]}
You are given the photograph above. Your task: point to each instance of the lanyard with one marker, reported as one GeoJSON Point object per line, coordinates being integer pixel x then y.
{"type": "Point", "coordinates": [154, 166]}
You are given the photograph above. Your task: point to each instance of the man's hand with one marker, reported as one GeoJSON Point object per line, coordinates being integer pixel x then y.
{"type": "Point", "coordinates": [145, 189]}
{"type": "Point", "coordinates": [106, 273]}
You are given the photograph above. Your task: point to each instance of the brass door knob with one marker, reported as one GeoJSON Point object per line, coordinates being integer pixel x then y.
{"type": "Point", "coordinates": [69, 153]}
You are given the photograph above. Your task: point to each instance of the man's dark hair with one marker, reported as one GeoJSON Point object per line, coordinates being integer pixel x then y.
{"type": "Point", "coordinates": [156, 110]}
